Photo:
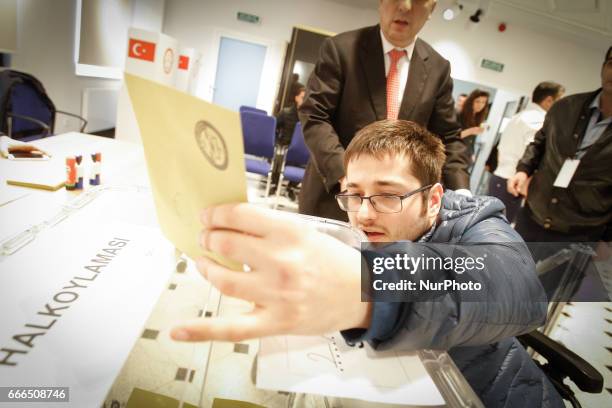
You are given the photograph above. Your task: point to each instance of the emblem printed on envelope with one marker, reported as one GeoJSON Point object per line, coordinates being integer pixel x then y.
{"type": "Point", "coordinates": [211, 144]}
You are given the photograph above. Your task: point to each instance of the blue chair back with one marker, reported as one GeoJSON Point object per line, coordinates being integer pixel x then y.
{"type": "Point", "coordinates": [28, 101]}
{"type": "Point", "coordinates": [298, 153]}
{"type": "Point", "coordinates": [245, 108]}
{"type": "Point", "coordinates": [258, 133]}
{"type": "Point", "coordinates": [22, 94]}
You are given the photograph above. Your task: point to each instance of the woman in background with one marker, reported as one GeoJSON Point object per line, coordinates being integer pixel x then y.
{"type": "Point", "coordinates": [473, 115]}
{"type": "Point", "coordinates": [288, 117]}
{"type": "Point", "coordinates": [285, 125]}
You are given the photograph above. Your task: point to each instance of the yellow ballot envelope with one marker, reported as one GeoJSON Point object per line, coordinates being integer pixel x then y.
{"type": "Point", "coordinates": [194, 154]}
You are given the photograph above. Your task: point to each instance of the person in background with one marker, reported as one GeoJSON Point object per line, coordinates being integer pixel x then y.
{"type": "Point", "coordinates": [566, 178]}
{"type": "Point", "coordinates": [577, 135]}
{"type": "Point", "coordinates": [304, 282]}
{"type": "Point", "coordinates": [286, 120]}
{"type": "Point", "coordinates": [519, 132]}
{"type": "Point", "coordinates": [473, 115]}
{"type": "Point", "coordinates": [459, 103]}
{"type": "Point", "coordinates": [379, 72]}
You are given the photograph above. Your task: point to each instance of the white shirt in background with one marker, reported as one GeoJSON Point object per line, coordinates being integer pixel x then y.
{"type": "Point", "coordinates": [519, 132]}
{"type": "Point", "coordinates": [402, 65]}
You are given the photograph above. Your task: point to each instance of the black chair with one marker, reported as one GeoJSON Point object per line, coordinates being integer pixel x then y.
{"type": "Point", "coordinates": [26, 111]}
{"type": "Point", "coordinates": [563, 363]}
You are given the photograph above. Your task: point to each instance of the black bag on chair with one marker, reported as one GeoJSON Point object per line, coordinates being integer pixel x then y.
{"type": "Point", "coordinates": [26, 111]}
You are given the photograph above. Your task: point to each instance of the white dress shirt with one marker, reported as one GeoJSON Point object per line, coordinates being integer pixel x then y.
{"type": "Point", "coordinates": [402, 68]}
{"type": "Point", "coordinates": [519, 132]}
{"type": "Point", "coordinates": [402, 65]}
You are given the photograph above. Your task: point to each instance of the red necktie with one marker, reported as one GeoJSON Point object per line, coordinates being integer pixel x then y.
{"type": "Point", "coordinates": [393, 81]}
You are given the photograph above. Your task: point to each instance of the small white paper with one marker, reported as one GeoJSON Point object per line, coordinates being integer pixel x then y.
{"type": "Point", "coordinates": [326, 365]}
{"type": "Point", "coordinates": [567, 172]}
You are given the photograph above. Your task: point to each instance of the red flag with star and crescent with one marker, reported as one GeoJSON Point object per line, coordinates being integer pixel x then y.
{"type": "Point", "coordinates": [140, 49]}
{"type": "Point", "coordinates": [183, 62]}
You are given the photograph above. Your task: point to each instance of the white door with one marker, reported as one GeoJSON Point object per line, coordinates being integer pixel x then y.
{"type": "Point", "coordinates": [239, 67]}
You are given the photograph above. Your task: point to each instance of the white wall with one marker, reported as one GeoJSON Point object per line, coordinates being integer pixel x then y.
{"type": "Point", "coordinates": [198, 24]}
{"type": "Point", "coordinates": [100, 42]}
{"type": "Point", "coordinates": [8, 25]}
{"type": "Point", "coordinates": [529, 56]}
{"type": "Point", "coordinates": [45, 37]}
{"type": "Point", "coordinates": [46, 43]}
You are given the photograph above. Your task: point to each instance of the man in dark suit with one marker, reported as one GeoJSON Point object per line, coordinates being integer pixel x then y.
{"type": "Point", "coordinates": [565, 177]}
{"type": "Point", "coordinates": [573, 204]}
{"type": "Point", "coordinates": [371, 74]}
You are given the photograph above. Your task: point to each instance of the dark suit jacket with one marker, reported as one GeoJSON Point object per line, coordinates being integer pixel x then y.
{"type": "Point", "coordinates": [347, 91]}
{"type": "Point", "coordinates": [585, 206]}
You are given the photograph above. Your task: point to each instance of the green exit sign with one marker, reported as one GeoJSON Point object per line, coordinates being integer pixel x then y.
{"type": "Point", "coordinates": [492, 65]}
{"type": "Point", "coordinates": [249, 18]}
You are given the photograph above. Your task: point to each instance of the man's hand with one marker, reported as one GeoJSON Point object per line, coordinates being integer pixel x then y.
{"type": "Point", "coordinates": [517, 183]}
{"type": "Point", "coordinates": [300, 281]}
{"type": "Point", "coordinates": [525, 187]}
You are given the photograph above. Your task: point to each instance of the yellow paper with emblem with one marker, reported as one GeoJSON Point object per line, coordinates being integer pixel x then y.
{"type": "Point", "coordinates": [194, 154]}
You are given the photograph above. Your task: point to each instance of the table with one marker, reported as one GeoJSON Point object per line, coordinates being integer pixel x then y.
{"type": "Point", "coordinates": [224, 370]}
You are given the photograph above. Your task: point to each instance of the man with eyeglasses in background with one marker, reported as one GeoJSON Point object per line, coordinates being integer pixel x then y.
{"type": "Point", "coordinates": [304, 282]}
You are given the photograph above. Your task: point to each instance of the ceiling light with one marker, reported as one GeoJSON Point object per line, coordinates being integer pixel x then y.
{"type": "Point", "coordinates": [452, 11]}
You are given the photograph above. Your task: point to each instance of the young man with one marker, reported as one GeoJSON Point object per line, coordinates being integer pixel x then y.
{"type": "Point", "coordinates": [519, 132]}
{"type": "Point", "coordinates": [305, 282]}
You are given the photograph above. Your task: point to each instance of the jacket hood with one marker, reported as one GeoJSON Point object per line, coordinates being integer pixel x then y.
{"type": "Point", "coordinates": [459, 213]}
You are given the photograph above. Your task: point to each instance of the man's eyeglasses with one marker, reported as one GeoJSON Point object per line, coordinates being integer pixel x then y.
{"type": "Point", "coordinates": [382, 203]}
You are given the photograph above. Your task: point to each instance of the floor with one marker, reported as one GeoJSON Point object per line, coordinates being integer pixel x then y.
{"type": "Point", "coordinates": [256, 188]}
{"type": "Point", "coordinates": [586, 329]}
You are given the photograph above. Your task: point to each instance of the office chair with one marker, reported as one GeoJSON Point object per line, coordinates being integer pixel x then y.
{"type": "Point", "coordinates": [245, 108]}
{"type": "Point", "coordinates": [562, 363]}
{"type": "Point", "coordinates": [258, 133]}
{"type": "Point", "coordinates": [26, 111]}
{"type": "Point", "coordinates": [295, 160]}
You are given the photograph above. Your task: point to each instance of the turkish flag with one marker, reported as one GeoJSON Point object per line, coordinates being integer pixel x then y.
{"type": "Point", "coordinates": [183, 62]}
{"type": "Point", "coordinates": [140, 49]}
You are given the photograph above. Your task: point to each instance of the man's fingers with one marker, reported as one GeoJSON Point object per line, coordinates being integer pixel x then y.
{"type": "Point", "coordinates": [249, 286]}
{"type": "Point", "coordinates": [234, 329]}
{"type": "Point", "coordinates": [243, 217]}
{"type": "Point", "coordinates": [525, 187]}
{"type": "Point", "coordinates": [246, 249]}
{"type": "Point", "coordinates": [512, 183]}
